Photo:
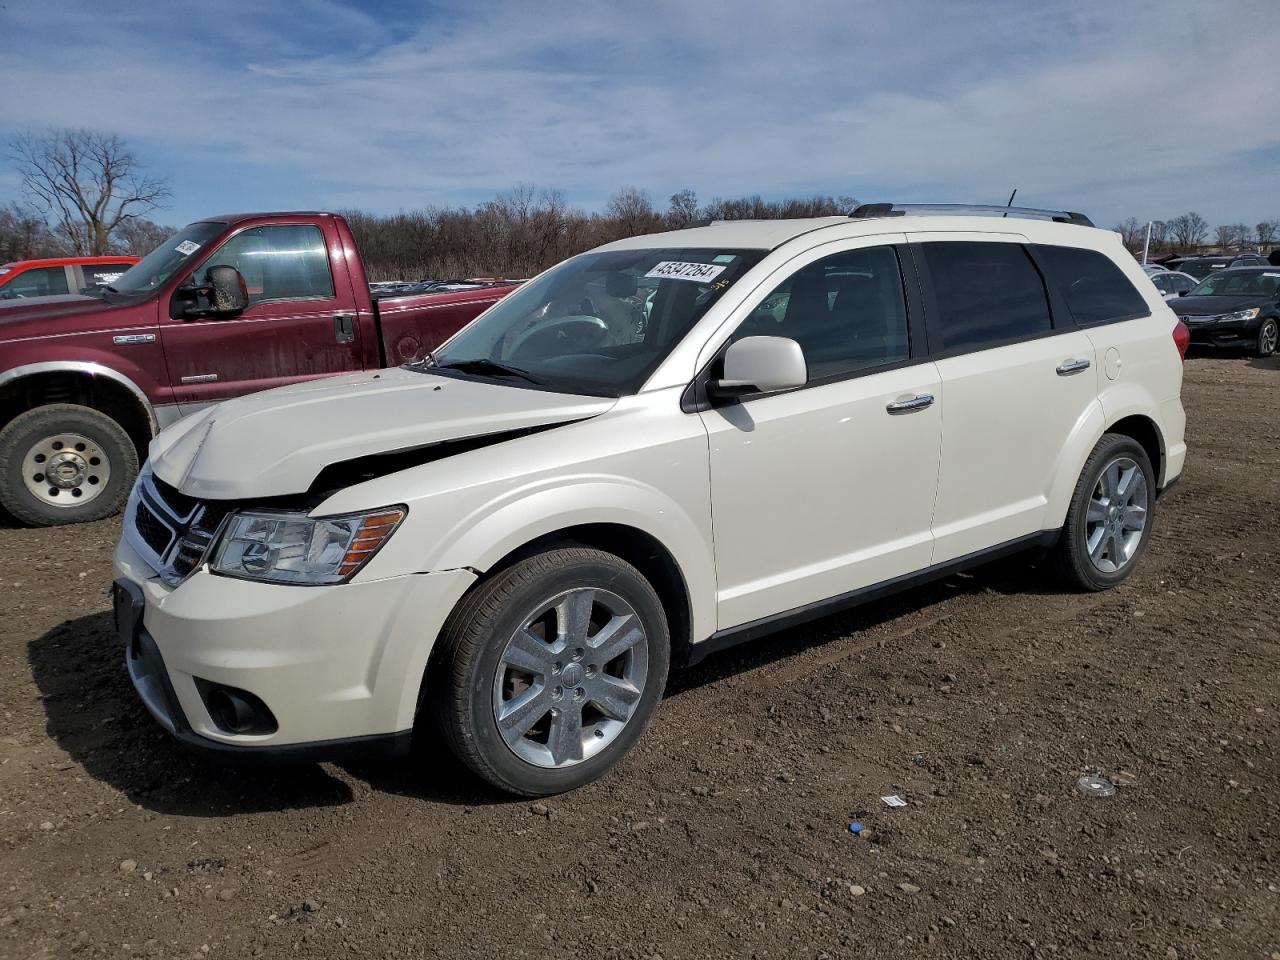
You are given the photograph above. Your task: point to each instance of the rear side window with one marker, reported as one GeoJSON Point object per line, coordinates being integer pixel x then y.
{"type": "Point", "coordinates": [40, 282]}
{"type": "Point", "coordinates": [103, 274]}
{"type": "Point", "coordinates": [1095, 289]}
{"type": "Point", "coordinates": [987, 294]}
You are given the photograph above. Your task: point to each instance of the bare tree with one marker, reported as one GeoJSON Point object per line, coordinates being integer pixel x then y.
{"type": "Point", "coordinates": [24, 235]}
{"type": "Point", "coordinates": [1189, 230]}
{"type": "Point", "coordinates": [683, 209]}
{"type": "Point", "coordinates": [632, 212]}
{"type": "Point", "coordinates": [90, 184]}
{"type": "Point", "coordinates": [1266, 232]}
{"type": "Point", "coordinates": [1225, 237]}
{"type": "Point", "coordinates": [139, 236]}
{"type": "Point", "coordinates": [1133, 232]}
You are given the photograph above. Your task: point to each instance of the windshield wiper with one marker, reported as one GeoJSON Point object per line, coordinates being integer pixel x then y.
{"type": "Point", "coordinates": [483, 365]}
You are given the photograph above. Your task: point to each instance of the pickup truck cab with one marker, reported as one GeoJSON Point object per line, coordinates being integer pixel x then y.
{"type": "Point", "coordinates": [86, 381]}
{"type": "Point", "coordinates": [53, 277]}
{"type": "Point", "coordinates": [656, 449]}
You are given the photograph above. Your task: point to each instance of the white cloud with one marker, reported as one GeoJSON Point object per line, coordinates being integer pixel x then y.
{"type": "Point", "coordinates": [1137, 107]}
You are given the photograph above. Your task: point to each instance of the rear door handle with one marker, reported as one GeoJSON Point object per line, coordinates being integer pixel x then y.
{"type": "Point", "coordinates": [344, 327]}
{"type": "Point", "coordinates": [1072, 366]}
{"type": "Point", "coordinates": [918, 402]}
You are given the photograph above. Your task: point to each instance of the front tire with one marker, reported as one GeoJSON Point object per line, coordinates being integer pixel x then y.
{"type": "Point", "coordinates": [1268, 338]}
{"type": "Point", "coordinates": [65, 463]}
{"type": "Point", "coordinates": [549, 672]}
{"type": "Point", "coordinates": [1110, 518]}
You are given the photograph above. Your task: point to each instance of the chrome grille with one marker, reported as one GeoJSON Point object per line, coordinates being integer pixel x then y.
{"type": "Point", "coordinates": [170, 529]}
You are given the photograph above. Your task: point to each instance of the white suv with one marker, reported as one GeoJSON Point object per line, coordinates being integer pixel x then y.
{"type": "Point", "coordinates": [656, 449]}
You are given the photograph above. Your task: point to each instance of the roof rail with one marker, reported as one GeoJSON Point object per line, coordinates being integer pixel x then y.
{"type": "Point", "coordinates": [867, 210]}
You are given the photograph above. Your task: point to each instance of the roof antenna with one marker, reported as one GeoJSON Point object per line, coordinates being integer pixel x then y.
{"type": "Point", "coordinates": [1010, 203]}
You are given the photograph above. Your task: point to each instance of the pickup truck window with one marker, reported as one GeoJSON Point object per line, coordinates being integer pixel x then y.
{"type": "Point", "coordinates": [154, 270]}
{"type": "Point", "coordinates": [41, 282]}
{"type": "Point", "coordinates": [597, 324]}
{"type": "Point", "coordinates": [282, 262]}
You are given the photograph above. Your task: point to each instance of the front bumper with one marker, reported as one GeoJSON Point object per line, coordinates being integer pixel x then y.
{"type": "Point", "coordinates": [1222, 333]}
{"type": "Point", "coordinates": [339, 667]}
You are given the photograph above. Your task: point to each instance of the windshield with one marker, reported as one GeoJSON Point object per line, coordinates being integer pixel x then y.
{"type": "Point", "coordinates": [154, 270]}
{"type": "Point", "coordinates": [599, 323]}
{"type": "Point", "coordinates": [1239, 283]}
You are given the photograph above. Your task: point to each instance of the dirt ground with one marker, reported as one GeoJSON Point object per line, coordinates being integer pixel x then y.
{"type": "Point", "coordinates": [981, 700]}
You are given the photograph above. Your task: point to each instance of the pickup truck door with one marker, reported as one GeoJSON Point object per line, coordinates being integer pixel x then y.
{"type": "Point", "coordinates": [301, 322]}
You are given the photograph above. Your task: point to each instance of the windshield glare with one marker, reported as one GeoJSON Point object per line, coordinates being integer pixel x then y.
{"type": "Point", "coordinates": [1241, 283]}
{"type": "Point", "coordinates": [599, 323]}
{"type": "Point", "coordinates": [154, 270]}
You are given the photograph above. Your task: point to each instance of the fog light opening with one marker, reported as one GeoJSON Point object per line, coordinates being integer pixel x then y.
{"type": "Point", "coordinates": [236, 711]}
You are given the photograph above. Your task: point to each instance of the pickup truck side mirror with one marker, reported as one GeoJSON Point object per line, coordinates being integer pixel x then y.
{"type": "Point", "coordinates": [1183, 293]}
{"type": "Point", "coordinates": [228, 293]}
{"type": "Point", "coordinates": [760, 365]}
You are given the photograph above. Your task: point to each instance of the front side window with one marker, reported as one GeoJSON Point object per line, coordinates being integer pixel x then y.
{"type": "Point", "coordinates": [40, 282]}
{"type": "Point", "coordinates": [1179, 283]}
{"type": "Point", "coordinates": [987, 294]}
{"type": "Point", "coordinates": [599, 323]}
{"type": "Point", "coordinates": [847, 311]}
{"type": "Point", "coordinates": [283, 262]}
{"type": "Point", "coordinates": [1094, 288]}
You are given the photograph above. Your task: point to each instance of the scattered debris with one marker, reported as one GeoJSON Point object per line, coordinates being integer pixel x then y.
{"type": "Point", "coordinates": [1095, 785]}
{"type": "Point", "coordinates": [893, 801]}
{"type": "Point", "coordinates": [856, 828]}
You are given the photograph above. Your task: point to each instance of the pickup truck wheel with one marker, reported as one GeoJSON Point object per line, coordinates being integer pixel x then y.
{"type": "Point", "coordinates": [1268, 338]}
{"type": "Point", "coordinates": [550, 671]}
{"type": "Point", "coordinates": [64, 463]}
{"type": "Point", "coordinates": [1109, 521]}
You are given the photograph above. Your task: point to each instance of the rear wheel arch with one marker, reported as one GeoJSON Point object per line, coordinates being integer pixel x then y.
{"type": "Point", "coordinates": [1147, 433]}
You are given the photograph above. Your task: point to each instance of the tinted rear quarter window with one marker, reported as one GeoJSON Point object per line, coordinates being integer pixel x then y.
{"type": "Point", "coordinates": [987, 293]}
{"type": "Point", "coordinates": [1095, 289]}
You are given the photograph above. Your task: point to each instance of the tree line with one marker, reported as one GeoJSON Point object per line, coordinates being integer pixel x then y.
{"type": "Point", "coordinates": [1190, 232]}
{"type": "Point", "coordinates": [88, 193]}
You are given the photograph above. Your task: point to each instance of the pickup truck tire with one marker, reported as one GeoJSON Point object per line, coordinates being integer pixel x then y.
{"type": "Point", "coordinates": [534, 717]}
{"type": "Point", "coordinates": [95, 460]}
{"type": "Point", "coordinates": [1110, 518]}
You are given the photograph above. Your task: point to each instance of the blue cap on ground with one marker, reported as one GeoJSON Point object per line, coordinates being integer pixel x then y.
{"type": "Point", "coordinates": [855, 827]}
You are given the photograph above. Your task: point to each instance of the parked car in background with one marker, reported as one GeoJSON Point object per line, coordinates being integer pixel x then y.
{"type": "Point", "coordinates": [1238, 307]}
{"type": "Point", "coordinates": [225, 307]}
{"type": "Point", "coordinates": [1201, 267]}
{"type": "Point", "coordinates": [518, 536]}
{"type": "Point", "coordinates": [1172, 283]}
{"type": "Point", "coordinates": [25, 279]}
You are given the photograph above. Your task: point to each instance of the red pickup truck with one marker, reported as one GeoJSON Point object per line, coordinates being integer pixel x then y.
{"type": "Point", "coordinates": [227, 306]}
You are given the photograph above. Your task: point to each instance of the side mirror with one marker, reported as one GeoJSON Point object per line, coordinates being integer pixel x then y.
{"type": "Point", "coordinates": [228, 293]}
{"type": "Point", "coordinates": [760, 365]}
{"type": "Point", "coordinates": [1183, 293]}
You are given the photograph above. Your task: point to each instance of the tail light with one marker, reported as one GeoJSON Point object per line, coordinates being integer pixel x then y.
{"type": "Point", "coordinates": [1181, 339]}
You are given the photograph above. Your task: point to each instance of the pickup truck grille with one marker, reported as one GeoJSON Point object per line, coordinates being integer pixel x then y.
{"type": "Point", "coordinates": [172, 531]}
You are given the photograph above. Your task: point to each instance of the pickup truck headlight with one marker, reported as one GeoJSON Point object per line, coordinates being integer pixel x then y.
{"type": "Point", "coordinates": [283, 547]}
{"type": "Point", "coordinates": [1240, 315]}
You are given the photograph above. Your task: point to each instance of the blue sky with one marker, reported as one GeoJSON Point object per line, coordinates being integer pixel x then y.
{"type": "Point", "coordinates": [1113, 107]}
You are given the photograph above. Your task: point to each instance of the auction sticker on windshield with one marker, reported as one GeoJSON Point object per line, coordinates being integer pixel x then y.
{"type": "Point", "coordinates": [679, 270]}
{"type": "Point", "coordinates": [187, 248]}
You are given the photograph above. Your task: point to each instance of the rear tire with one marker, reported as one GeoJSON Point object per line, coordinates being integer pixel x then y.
{"type": "Point", "coordinates": [1268, 338]}
{"type": "Point", "coordinates": [570, 648]}
{"type": "Point", "coordinates": [1110, 518]}
{"type": "Point", "coordinates": [65, 463]}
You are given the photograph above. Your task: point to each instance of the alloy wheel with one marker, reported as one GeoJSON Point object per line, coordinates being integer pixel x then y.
{"type": "Point", "coordinates": [570, 678]}
{"type": "Point", "coordinates": [1117, 516]}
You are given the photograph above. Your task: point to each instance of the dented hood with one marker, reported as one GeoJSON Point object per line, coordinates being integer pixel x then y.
{"type": "Point", "coordinates": [275, 443]}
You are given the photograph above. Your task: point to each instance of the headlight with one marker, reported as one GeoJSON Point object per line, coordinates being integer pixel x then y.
{"type": "Point", "coordinates": [1242, 314]}
{"type": "Point", "coordinates": [293, 548]}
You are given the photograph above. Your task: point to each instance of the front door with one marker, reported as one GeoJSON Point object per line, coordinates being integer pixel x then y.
{"type": "Point", "coordinates": [299, 324]}
{"type": "Point", "coordinates": [819, 491]}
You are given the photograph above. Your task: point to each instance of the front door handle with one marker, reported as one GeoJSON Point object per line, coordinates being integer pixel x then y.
{"type": "Point", "coordinates": [1072, 366]}
{"type": "Point", "coordinates": [918, 402]}
{"type": "Point", "coordinates": [344, 327]}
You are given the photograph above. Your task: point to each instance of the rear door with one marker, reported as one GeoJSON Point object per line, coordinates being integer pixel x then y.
{"type": "Point", "coordinates": [1014, 386]}
{"type": "Point", "coordinates": [300, 323]}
